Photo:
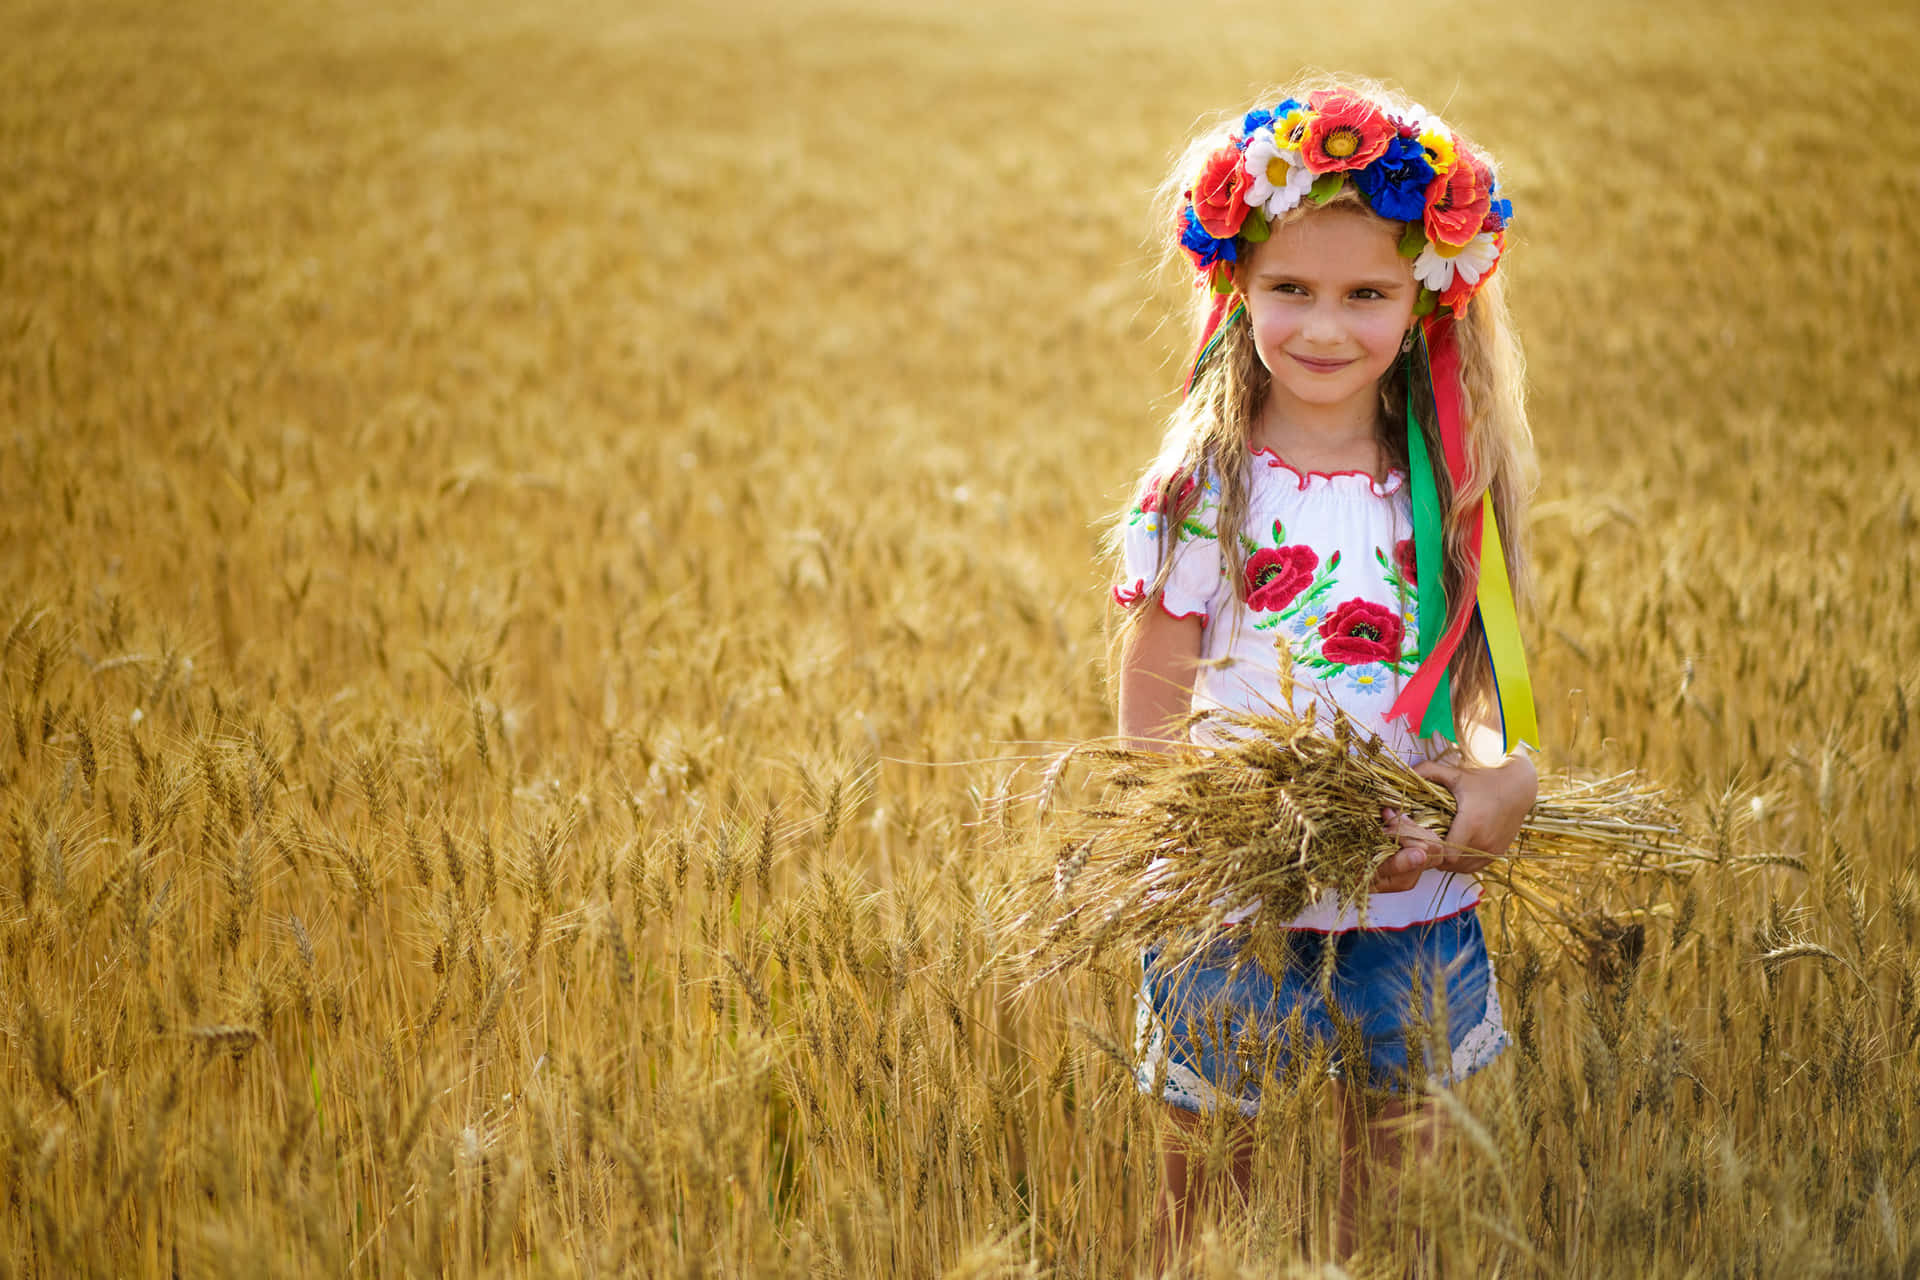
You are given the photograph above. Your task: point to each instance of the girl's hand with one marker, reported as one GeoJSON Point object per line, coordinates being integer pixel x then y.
{"type": "Point", "coordinates": [1419, 850]}
{"type": "Point", "coordinates": [1491, 803]}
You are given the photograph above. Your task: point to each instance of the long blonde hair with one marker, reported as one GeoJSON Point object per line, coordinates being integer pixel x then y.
{"type": "Point", "coordinates": [1211, 432]}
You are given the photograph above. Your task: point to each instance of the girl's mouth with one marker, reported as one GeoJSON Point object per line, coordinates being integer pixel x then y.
{"type": "Point", "coordinates": [1320, 366]}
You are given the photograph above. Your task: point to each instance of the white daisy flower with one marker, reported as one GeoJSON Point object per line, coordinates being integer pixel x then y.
{"type": "Point", "coordinates": [1280, 180]}
{"type": "Point", "coordinates": [1423, 120]}
{"type": "Point", "coordinates": [1438, 263]}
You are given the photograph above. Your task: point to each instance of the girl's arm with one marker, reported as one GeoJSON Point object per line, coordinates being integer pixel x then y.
{"type": "Point", "coordinates": [1156, 678]}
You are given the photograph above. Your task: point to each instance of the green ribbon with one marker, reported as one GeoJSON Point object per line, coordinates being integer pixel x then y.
{"type": "Point", "coordinates": [1428, 554]}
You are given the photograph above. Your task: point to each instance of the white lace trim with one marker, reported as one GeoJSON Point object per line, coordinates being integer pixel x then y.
{"type": "Point", "coordinates": [1181, 1086]}
{"type": "Point", "coordinates": [1480, 1046]}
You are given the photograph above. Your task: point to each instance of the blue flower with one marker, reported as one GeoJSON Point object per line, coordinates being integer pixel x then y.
{"type": "Point", "coordinates": [1204, 249]}
{"type": "Point", "coordinates": [1260, 118]}
{"type": "Point", "coordinates": [1499, 214]}
{"type": "Point", "coordinates": [1396, 184]}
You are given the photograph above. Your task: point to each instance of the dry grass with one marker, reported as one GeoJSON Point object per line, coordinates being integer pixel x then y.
{"type": "Point", "coordinates": [508, 514]}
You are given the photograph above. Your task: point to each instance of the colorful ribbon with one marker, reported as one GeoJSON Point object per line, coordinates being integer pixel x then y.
{"type": "Point", "coordinates": [1427, 699]}
{"type": "Point", "coordinates": [1428, 558]}
{"type": "Point", "coordinates": [1511, 683]}
{"type": "Point", "coordinates": [1219, 319]}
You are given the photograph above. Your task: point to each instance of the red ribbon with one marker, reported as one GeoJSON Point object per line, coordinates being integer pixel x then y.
{"type": "Point", "coordinates": [1443, 357]}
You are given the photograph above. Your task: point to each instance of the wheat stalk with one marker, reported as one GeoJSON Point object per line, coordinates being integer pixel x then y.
{"type": "Point", "coordinates": [1277, 810]}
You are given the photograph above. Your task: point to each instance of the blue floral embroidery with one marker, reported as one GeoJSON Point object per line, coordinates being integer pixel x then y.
{"type": "Point", "coordinates": [1369, 677]}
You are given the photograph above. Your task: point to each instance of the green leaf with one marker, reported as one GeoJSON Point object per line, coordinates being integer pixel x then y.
{"type": "Point", "coordinates": [1248, 545]}
{"type": "Point", "coordinates": [1279, 534]}
{"type": "Point", "coordinates": [1325, 187]}
{"type": "Point", "coordinates": [1194, 529]}
{"type": "Point", "coordinates": [1255, 228]}
{"type": "Point", "coordinates": [1428, 300]}
{"type": "Point", "coordinates": [1413, 240]}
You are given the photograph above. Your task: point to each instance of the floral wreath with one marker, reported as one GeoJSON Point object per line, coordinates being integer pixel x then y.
{"type": "Point", "coordinates": [1408, 167]}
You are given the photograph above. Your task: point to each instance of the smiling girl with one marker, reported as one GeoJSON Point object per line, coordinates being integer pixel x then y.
{"type": "Point", "coordinates": [1331, 524]}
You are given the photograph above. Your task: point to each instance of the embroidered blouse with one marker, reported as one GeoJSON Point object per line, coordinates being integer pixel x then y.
{"type": "Point", "coordinates": [1330, 580]}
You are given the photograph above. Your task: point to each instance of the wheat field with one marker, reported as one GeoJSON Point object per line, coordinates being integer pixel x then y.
{"type": "Point", "coordinates": [533, 539]}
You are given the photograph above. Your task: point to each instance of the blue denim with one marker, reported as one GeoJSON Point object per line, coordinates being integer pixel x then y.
{"type": "Point", "coordinates": [1206, 1033]}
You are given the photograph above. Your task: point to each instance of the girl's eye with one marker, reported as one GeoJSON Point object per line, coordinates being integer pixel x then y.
{"type": "Point", "coordinates": [1368, 293]}
{"type": "Point", "coordinates": [1287, 286]}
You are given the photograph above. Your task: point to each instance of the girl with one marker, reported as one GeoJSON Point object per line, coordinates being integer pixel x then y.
{"type": "Point", "coordinates": [1331, 523]}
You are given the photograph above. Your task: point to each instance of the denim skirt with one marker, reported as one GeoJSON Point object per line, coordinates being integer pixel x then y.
{"type": "Point", "coordinates": [1404, 1009]}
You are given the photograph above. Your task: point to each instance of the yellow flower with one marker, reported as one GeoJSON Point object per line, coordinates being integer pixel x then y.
{"type": "Point", "coordinates": [1290, 130]}
{"type": "Point", "coordinates": [1439, 147]}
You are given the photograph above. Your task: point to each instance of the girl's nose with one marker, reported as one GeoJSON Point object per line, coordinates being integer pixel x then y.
{"type": "Point", "coordinates": [1321, 325]}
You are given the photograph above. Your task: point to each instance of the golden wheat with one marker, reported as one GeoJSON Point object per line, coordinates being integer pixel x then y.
{"type": "Point", "coordinates": [529, 537]}
{"type": "Point", "coordinates": [1276, 810]}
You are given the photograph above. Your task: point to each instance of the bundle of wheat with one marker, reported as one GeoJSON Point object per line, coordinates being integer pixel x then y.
{"type": "Point", "coordinates": [1278, 810]}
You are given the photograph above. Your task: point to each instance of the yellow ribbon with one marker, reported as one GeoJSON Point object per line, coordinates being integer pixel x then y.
{"type": "Point", "coordinates": [1502, 624]}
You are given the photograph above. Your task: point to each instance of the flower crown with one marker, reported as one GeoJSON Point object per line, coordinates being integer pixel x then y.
{"type": "Point", "coordinates": [1410, 168]}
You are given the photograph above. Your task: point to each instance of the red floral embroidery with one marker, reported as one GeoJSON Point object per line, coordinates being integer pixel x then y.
{"type": "Point", "coordinates": [1362, 631]}
{"type": "Point", "coordinates": [1404, 561]}
{"type": "Point", "coordinates": [1151, 502]}
{"type": "Point", "coordinates": [1277, 574]}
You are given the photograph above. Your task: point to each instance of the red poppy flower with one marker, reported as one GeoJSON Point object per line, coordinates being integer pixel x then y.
{"type": "Point", "coordinates": [1219, 197]}
{"type": "Point", "coordinates": [1405, 563]}
{"type": "Point", "coordinates": [1346, 132]}
{"type": "Point", "coordinates": [1151, 502]}
{"type": "Point", "coordinates": [1276, 575]}
{"type": "Point", "coordinates": [1361, 631]}
{"type": "Point", "coordinates": [1459, 199]}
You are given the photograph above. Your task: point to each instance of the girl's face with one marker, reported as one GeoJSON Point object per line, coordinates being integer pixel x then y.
{"type": "Point", "coordinates": [1330, 300]}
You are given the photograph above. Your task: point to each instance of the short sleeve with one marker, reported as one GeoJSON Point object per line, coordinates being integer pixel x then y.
{"type": "Point", "coordinates": [1194, 584]}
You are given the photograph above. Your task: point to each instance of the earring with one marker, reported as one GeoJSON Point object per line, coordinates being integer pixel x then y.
{"type": "Point", "coordinates": [1406, 343]}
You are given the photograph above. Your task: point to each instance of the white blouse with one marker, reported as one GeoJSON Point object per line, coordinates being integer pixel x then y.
{"type": "Point", "coordinates": [1330, 582]}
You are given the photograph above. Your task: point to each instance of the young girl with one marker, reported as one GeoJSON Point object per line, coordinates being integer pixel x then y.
{"type": "Point", "coordinates": [1332, 522]}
